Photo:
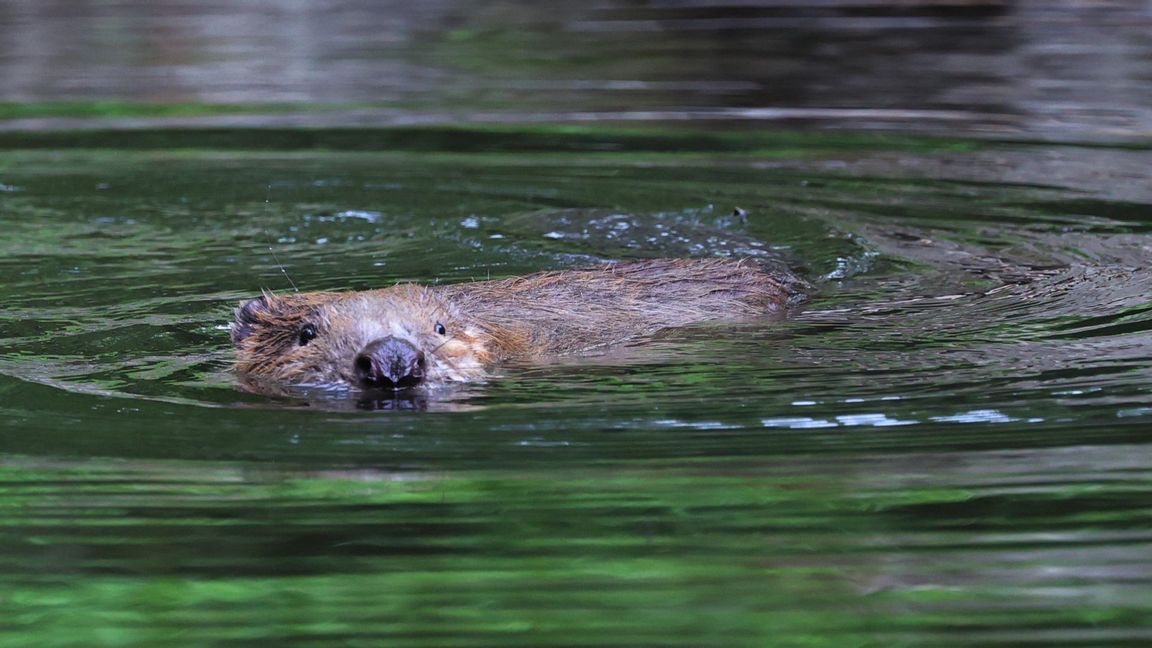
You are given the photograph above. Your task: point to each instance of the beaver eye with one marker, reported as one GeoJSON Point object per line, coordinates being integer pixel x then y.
{"type": "Point", "coordinates": [307, 334]}
{"type": "Point", "coordinates": [440, 330]}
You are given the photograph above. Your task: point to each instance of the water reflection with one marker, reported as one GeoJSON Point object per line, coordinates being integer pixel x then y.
{"type": "Point", "coordinates": [1070, 69]}
{"type": "Point", "coordinates": [851, 548]}
{"type": "Point", "coordinates": [951, 441]}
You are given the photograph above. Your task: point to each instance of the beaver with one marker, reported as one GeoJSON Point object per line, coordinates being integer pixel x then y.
{"type": "Point", "coordinates": [413, 335]}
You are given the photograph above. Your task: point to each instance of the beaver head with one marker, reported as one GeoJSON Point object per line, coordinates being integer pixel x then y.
{"type": "Point", "coordinates": [394, 338]}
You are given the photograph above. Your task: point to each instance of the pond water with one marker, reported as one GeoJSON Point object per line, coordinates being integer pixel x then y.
{"type": "Point", "coordinates": [1052, 69]}
{"type": "Point", "coordinates": [949, 444]}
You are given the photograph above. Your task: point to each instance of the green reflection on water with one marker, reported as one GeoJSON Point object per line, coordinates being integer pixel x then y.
{"type": "Point", "coordinates": [887, 468]}
{"type": "Point", "coordinates": [736, 552]}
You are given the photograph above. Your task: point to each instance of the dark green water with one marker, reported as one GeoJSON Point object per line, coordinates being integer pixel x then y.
{"type": "Point", "coordinates": [950, 445]}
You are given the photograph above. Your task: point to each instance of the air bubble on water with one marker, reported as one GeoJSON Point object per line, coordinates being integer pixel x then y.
{"type": "Point", "coordinates": [369, 216]}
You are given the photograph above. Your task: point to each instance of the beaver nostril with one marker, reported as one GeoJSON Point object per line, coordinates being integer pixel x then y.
{"type": "Point", "coordinates": [390, 363]}
{"type": "Point", "coordinates": [363, 364]}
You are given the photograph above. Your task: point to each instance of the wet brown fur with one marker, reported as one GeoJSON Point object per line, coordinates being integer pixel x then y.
{"type": "Point", "coordinates": [486, 322]}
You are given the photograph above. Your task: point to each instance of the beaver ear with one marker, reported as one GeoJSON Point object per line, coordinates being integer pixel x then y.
{"type": "Point", "coordinates": [250, 313]}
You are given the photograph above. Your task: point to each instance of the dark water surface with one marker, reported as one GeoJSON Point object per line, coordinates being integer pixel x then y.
{"type": "Point", "coordinates": [950, 445]}
{"type": "Point", "coordinates": [1058, 69]}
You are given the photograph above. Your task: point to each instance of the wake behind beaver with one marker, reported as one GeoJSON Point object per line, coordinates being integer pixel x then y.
{"type": "Point", "coordinates": [412, 335]}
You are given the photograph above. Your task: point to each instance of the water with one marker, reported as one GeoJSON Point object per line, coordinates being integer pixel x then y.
{"type": "Point", "coordinates": [1053, 69]}
{"type": "Point", "coordinates": [948, 445]}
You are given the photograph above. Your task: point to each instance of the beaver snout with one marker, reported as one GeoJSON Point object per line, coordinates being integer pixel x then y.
{"type": "Point", "coordinates": [389, 363]}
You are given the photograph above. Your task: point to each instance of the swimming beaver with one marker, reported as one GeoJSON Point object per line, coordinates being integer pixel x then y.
{"type": "Point", "coordinates": [409, 334]}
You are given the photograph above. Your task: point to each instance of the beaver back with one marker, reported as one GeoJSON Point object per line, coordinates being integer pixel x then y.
{"type": "Point", "coordinates": [568, 311]}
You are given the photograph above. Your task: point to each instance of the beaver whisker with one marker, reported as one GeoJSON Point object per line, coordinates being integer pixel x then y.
{"type": "Point", "coordinates": [441, 345]}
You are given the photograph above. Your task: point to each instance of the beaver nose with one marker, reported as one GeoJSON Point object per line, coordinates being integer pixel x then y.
{"type": "Point", "coordinates": [390, 363]}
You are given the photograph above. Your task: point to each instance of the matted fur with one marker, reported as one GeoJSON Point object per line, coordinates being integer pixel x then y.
{"type": "Point", "coordinates": [485, 322]}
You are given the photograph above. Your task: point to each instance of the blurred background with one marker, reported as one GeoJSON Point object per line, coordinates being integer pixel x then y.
{"type": "Point", "coordinates": [1064, 69]}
